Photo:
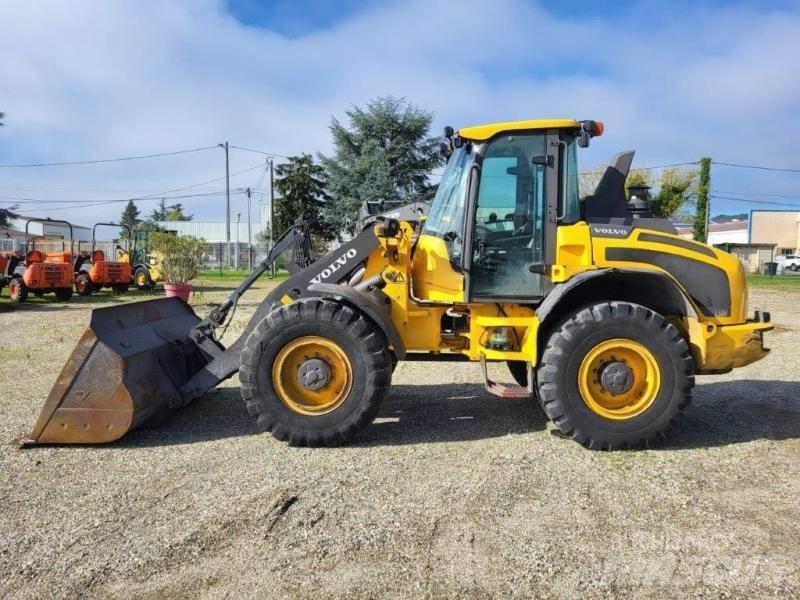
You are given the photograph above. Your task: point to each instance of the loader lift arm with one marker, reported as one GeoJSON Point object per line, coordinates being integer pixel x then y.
{"type": "Point", "coordinates": [333, 268]}
{"type": "Point", "coordinates": [296, 238]}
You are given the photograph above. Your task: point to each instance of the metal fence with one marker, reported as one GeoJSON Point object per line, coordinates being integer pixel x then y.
{"type": "Point", "coordinates": [218, 255]}
{"type": "Point", "coordinates": [221, 255]}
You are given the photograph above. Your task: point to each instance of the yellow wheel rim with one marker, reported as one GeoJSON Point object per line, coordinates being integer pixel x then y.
{"type": "Point", "coordinates": [619, 379]}
{"type": "Point", "coordinates": [141, 280]}
{"type": "Point", "coordinates": [312, 375]}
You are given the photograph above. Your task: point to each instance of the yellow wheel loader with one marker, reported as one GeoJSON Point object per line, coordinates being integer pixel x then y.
{"type": "Point", "coordinates": [600, 311]}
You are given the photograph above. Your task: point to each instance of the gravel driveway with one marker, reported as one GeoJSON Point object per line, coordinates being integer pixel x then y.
{"type": "Point", "coordinates": [452, 492]}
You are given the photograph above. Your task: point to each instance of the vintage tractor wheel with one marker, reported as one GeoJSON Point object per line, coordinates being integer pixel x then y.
{"type": "Point", "coordinates": [315, 372]}
{"type": "Point", "coordinates": [83, 285]}
{"type": "Point", "coordinates": [17, 290]}
{"type": "Point", "coordinates": [64, 294]}
{"type": "Point", "coordinates": [142, 280]}
{"type": "Point", "coordinates": [615, 375]}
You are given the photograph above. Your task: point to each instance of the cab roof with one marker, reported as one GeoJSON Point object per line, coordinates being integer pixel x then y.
{"type": "Point", "coordinates": [484, 132]}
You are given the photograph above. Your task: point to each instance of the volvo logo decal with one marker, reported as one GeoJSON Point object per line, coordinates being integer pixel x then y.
{"type": "Point", "coordinates": [337, 264]}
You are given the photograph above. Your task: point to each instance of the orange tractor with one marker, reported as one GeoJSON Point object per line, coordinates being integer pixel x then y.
{"type": "Point", "coordinates": [94, 272]}
{"type": "Point", "coordinates": [39, 272]}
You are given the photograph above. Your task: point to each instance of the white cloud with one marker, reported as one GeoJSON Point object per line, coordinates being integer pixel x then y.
{"type": "Point", "coordinates": [87, 79]}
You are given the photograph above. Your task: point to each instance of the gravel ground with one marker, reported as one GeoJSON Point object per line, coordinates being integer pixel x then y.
{"type": "Point", "coordinates": [451, 492]}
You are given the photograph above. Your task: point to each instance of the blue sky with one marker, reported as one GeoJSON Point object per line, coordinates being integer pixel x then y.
{"type": "Point", "coordinates": [89, 80]}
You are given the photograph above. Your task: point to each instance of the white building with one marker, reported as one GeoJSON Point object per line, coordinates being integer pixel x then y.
{"type": "Point", "coordinates": [54, 230]}
{"type": "Point", "coordinates": [731, 232]}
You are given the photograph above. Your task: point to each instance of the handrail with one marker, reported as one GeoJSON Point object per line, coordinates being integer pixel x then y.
{"type": "Point", "coordinates": [49, 220]}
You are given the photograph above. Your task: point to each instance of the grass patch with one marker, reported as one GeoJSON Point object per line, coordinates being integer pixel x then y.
{"type": "Point", "coordinates": [778, 281]}
{"type": "Point", "coordinates": [231, 275]}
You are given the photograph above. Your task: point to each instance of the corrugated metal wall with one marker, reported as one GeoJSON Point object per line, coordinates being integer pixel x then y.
{"type": "Point", "coordinates": [210, 231]}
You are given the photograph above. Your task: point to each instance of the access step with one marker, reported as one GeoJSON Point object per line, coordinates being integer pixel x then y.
{"type": "Point", "coordinates": [503, 390]}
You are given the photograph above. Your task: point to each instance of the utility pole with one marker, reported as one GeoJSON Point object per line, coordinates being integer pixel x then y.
{"type": "Point", "coordinates": [270, 165]}
{"type": "Point", "coordinates": [703, 208]}
{"type": "Point", "coordinates": [227, 200]}
{"type": "Point", "coordinates": [249, 235]}
{"type": "Point", "coordinates": [237, 251]}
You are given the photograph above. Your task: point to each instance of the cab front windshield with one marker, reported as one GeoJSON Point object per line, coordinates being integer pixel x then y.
{"type": "Point", "coordinates": [448, 210]}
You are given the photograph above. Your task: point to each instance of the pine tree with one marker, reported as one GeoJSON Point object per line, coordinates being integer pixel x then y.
{"type": "Point", "coordinates": [384, 154]}
{"type": "Point", "coordinates": [6, 214]}
{"type": "Point", "coordinates": [175, 213]}
{"type": "Point", "coordinates": [301, 184]}
{"type": "Point", "coordinates": [130, 217]}
{"type": "Point", "coordinates": [160, 212]}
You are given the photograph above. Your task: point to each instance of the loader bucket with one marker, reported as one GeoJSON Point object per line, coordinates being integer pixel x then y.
{"type": "Point", "coordinates": [126, 369]}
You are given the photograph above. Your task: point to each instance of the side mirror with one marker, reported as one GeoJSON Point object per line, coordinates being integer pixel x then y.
{"type": "Point", "coordinates": [583, 139]}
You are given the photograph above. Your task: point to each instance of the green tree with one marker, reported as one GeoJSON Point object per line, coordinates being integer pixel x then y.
{"type": "Point", "coordinates": [301, 183]}
{"type": "Point", "coordinates": [384, 154]}
{"type": "Point", "coordinates": [675, 187]}
{"type": "Point", "coordinates": [160, 212]}
{"type": "Point", "coordinates": [175, 213]}
{"type": "Point", "coordinates": [6, 214]}
{"type": "Point", "coordinates": [703, 187]}
{"type": "Point", "coordinates": [675, 190]}
{"type": "Point", "coordinates": [129, 217]}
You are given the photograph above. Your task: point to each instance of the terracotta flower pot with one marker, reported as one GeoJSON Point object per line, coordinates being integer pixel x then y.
{"type": "Point", "coordinates": [178, 290]}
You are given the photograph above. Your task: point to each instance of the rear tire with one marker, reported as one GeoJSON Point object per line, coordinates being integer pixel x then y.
{"type": "Point", "coordinates": [83, 284]}
{"type": "Point", "coordinates": [285, 407]}
{"type": "Point", "coordinates": [64, 294]}
{"type": "Point", "coordinates": [629, 346]}
{"type": "Point", "coordinates": [17, 290]}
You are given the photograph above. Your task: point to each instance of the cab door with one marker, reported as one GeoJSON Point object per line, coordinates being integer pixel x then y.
{"type": "Point", "coordinates": [513, 218]}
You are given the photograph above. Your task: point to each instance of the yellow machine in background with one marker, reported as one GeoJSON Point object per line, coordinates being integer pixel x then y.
{"type": "Point", "coordinates": [147, 265]}
{"type": "Point", "coordinates": [599, 310]}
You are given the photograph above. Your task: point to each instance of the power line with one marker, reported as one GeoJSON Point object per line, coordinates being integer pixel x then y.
{"type": "Point", "coordinates": [682, 164]}
{"type": "Point", "coordinates": [189, 187]}
{"type": "Point", "coordinates": [156, 196]}
{"type": "Point", "coordinates": [750, 201]}
{"type": "Point", "coordinates": [23, 200]}
{"type": "Point", "coordinates": [760, 167]}
{"type": "Point", "coordinates": [105, 160]}
{"type": "Point", "coordinates": [260, 152]}
{"type": "Point", "coordinates": [50, 209]}
{"type": "Point", "coordinates": [759, 194]}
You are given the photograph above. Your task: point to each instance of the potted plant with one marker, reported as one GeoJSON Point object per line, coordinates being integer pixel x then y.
{"type": "Point", "coordinates": [181, 256]}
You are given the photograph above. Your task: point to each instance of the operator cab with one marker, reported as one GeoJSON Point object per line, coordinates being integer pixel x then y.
{"type": "Point", "coordinates": [504, 190]}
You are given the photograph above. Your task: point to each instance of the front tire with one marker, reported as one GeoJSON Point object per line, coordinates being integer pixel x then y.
{"type": "Point", "coordinates": [17, 290]}
{"type": "Point", "coordinates": [615, 375]}
{"type": "Point", "coordinates": [83, 284]}
{"type": "Point", "coordinates": [142, 280]}
{"type": "Point", "coordinates": [351, 366]}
